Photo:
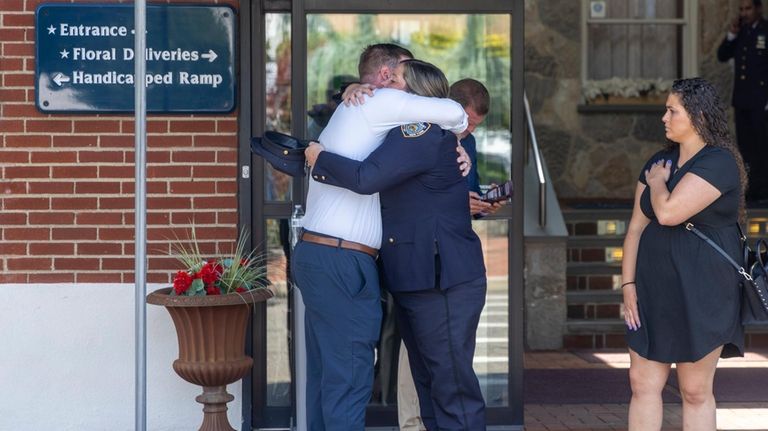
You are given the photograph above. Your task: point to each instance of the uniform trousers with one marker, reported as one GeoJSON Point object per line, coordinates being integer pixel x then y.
{"type": "Point", "coordinates": [341, 295]}
{"type": "Point", "coordinates": [438, 328]}
{"type": "Point", "coordinates": [753, 143]}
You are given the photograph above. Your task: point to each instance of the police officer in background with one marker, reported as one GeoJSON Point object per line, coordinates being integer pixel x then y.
{"type": "Point", "coordinates": [747, 43]}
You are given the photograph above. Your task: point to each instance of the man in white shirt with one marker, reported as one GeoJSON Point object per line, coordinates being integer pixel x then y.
{"type": "Point", "coordinates": [334, 262]}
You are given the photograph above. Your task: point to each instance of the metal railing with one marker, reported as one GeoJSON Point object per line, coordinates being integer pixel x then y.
{"type": "Point", "coordinates": [534, 146]}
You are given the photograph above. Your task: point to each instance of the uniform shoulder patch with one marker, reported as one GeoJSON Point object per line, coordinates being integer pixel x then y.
{"type": "Point", "coordinates": [414, 130]}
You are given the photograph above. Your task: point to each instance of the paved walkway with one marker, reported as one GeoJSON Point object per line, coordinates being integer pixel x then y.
{"type": "Point", "coordinates": [584, 417]}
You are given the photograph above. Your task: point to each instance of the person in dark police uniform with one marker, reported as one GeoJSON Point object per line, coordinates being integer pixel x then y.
{"type": "Point", "coordinates": [432, 259]}
{"type": "Point", "coordinates": [747, 44]}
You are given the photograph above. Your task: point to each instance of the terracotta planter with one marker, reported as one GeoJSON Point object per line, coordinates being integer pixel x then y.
{"type": "Point", "coordinates": [211, 332]}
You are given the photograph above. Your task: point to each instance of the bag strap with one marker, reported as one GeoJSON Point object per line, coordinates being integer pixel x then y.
{"type": "Point", "coordinates": [741, 232]}
{"type": "Point", "coordinates": [740, 269]}
{"type": "Point", "coordinates": [745, 245]}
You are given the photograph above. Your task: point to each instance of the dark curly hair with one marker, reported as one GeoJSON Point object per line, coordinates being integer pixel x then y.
{"type": "Point", "coordinates": [707, 115]}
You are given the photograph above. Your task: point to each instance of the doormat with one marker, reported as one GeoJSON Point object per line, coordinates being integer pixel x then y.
{"type": "Point", "coordinates": [611, 386]}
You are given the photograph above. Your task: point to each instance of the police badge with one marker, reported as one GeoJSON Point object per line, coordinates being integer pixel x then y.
{"type": "Point", "coordinates": [414, 130]}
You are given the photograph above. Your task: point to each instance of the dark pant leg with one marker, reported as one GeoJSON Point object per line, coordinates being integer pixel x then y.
{"type": "Point", "coordinates": [419, 371]}
{"type": "Point", "coordinates": [443, 326]}
{"type": "Point", "coordinates": [314, 405]}
{"type": "Point", "coordinates": [388, 351]}
{"type": "Point", "coordinates": [751, 138]}
{"type": "Point", "coordinates": [341, 293]}
{"type": "Point", "coordinates": [467, 301]}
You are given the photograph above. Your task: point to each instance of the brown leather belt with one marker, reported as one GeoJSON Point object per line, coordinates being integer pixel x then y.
{"type": "Point", "coordinates": [338, 242]}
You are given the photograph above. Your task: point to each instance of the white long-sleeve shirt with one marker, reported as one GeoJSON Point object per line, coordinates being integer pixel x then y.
{"type": "Point", "coordinates": [354, 132]}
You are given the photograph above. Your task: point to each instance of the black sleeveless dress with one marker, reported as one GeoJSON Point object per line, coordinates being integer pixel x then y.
{"type": "Point", "coordinates": [688, 295]}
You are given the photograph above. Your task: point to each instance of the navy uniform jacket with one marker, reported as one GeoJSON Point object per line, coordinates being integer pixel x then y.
{"type": "Point", "coordinates": [750, 56]}
{"type": "Point", "coordinates": [473, 179]}
{"type": "Point", "coordinates": [424, 206]}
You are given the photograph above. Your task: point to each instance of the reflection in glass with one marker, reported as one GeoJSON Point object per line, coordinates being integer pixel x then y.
{"type": "Point", "coordinates": [492, 351]}
{"type": "Point", "coordinates": [278, 184]}
{"type": "Point", "coordinates": [463, 46]}
{"type": "Point", "coordinates": [278, 89]}
{"type": "Point", "coordinates": [278, 323]}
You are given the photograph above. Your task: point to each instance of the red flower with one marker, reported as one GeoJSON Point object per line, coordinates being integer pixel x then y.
{"type": "Point", "coordinates": [216, 266]}
{"type": "Point", "coordinates": [181, 282]}
{"type": "Point", "coordinates": [240, 289]}
{"type": "Point", "coordinates": [209, 273]}
{"type": "Point", "coordinates": [213, 290]}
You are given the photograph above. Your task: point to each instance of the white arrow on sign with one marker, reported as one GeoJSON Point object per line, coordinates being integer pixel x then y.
{"type": "Point", "coordinates": [210, 56]}
{"type": "Point", "coordinates": [60, 79]}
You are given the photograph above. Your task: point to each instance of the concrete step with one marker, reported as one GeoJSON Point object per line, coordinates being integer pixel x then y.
{"type": "Point", "coordinates": [616, 326]}
{"type": "Point", "coordinates": [593, 268]}
{"type": "Point", "coordinates": [594, 297]}
{"type": "Point", "coordinates": [592, 214]}
{"type": "Point", "coordinates": [595, 326]}
{"type": "Point", "coordinates": [595, 241]}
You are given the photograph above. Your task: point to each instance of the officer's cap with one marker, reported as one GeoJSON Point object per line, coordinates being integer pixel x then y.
{"type": "Point", "coordinates": [285, 153]}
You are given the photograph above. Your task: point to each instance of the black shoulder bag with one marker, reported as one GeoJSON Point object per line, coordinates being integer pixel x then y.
{"type": "Point", "coordinates": [754, 287]}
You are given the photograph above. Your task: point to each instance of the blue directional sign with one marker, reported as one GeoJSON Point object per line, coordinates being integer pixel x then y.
{"type": "Point", "coordinates": [85, 58]}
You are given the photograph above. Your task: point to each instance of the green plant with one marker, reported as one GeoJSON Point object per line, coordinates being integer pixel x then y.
{"type": "Point", "coordinates": [237, 271]}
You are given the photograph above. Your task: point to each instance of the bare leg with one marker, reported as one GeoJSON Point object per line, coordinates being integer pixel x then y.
{"type": "Point", "coordinates": [647, 378]}
{"type": "Point", "coordinates": [696, 380]}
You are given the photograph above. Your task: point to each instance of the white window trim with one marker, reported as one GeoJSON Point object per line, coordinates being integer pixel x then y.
{"type": "Point", "coordinates": [689, 22]}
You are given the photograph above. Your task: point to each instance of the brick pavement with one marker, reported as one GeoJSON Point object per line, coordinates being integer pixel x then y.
{"type": "Point", "coordinates": [585, 417]}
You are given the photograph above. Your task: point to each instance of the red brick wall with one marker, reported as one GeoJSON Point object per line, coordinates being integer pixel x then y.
{"type": "Point", "coordinates": [67, 182]}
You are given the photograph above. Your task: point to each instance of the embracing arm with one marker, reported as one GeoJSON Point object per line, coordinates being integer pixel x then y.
{"type": "Point", "coordinates": [399, 108]}
{"type": "Point", "coordinates": [392, 163]}
{"type": "Point", "coordinates": [637, 225]}
{"type": "Point", "coordinates": [689, 197]}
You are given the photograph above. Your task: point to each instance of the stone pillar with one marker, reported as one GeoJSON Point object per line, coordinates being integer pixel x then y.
{"type": "Point", "coordinates": [545, 301]}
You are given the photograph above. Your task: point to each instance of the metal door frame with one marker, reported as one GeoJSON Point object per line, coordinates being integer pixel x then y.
{"type": "Point", "coordinates": [253, 211]}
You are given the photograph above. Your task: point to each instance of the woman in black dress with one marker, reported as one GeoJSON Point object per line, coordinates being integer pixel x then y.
{"type": "Point", "coordinates": [681, 298]}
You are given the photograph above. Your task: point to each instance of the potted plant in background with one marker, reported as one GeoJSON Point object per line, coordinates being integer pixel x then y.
{"type": "Point", "coordinates": [210, 304]}
{"type": "Point", "coordinates": [626, 91]}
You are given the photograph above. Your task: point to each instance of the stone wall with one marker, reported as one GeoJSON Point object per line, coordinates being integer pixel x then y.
{"type": "Point", "coordinates": [598, 155]}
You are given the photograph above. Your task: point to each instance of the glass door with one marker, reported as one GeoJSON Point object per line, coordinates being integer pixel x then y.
{"type": "Point", "coordinates": [309, 53]}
